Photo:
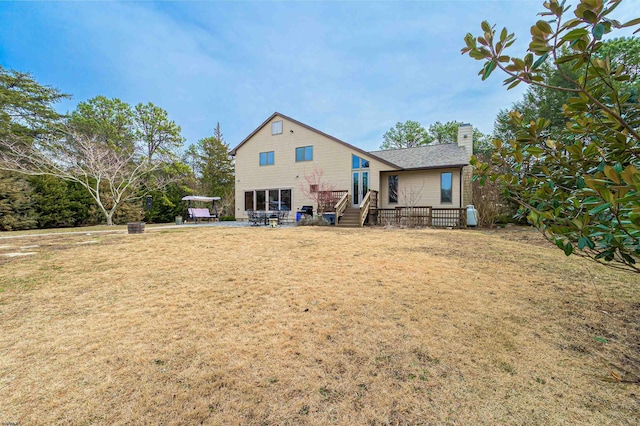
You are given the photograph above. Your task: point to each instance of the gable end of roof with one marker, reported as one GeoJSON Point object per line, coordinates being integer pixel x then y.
{"type": "Point", "coordinates": [264, 123]}
{"type": "Point", "coordinates": [299, 123]}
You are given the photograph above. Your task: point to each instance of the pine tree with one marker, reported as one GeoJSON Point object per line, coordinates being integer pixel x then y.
{"type": "Point", "coordinates": [215, 164]}
{"type": "Point", "coordinates": [16, 207]}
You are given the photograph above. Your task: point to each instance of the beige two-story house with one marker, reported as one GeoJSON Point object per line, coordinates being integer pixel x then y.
{"type": "Point", "coordinates": [274, 163]}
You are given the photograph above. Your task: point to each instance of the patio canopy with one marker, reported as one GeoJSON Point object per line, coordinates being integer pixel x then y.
{"type": "Point", "coordinates": [199, 198]}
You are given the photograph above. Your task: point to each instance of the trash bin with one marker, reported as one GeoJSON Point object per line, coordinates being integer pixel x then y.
{"type": "Point", "coordinates": [304, 211]}
{"type": "Point", "coordinates": [135, 228]}
{"type": "Point", "coordinates": [178, 220]}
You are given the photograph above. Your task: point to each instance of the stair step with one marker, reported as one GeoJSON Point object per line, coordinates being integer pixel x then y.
{"type": "Point", "coordinates": [347, 223]}
{"type": "Point", "coordinates": [350, 218]}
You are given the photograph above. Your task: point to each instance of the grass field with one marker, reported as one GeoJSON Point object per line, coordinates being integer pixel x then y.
{"type": "Point", "coordinates": [314, 325]}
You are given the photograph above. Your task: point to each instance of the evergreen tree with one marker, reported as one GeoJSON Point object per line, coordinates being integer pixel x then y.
{"type": "Point", "coordinates": [167, 204]}
{"type": "Point", "coordinates": [58, 203]}
{"type": "Point", "coordinates": [547, 102]}
{"type": "Point", "coordinates": [16, 206]}
{"type": "Point", "coordinates": [214, 163]}
{"type": "Point", "coordinates": [26, 107]}
{"type": "Point", "coordinates": [109, 121]}
{"type": "Point", "coordinates": [155, 130]}
{"type": "Point", "coordinates": [26, 114]}
{"type": "Point", "coordinates": [406, 135]}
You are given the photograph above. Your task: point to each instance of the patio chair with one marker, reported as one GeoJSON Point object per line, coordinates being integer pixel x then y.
{"type": "Point", "coordinates": [253, 217]}
{"type": "Point", "coordinates": [283, 215]}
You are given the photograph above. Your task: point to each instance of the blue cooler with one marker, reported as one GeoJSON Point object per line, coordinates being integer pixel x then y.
{"type": "Point", "coordinates": [330, 218]}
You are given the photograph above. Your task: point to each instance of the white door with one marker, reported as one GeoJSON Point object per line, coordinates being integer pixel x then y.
{"type": "Point", "coordinates": [359, 187]}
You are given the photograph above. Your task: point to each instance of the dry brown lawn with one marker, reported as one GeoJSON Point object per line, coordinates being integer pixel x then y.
{"type": "Point", "coordinates": [296, 326]}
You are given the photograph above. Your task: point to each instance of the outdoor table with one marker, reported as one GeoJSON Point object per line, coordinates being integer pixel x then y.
{"type": "Point", "coordinates": [265, 217]}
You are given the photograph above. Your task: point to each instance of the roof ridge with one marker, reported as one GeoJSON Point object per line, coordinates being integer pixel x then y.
{"type": "Point", "coordinates": [414, 147]}
{"type": "Point", "coordinates": [427, 156]}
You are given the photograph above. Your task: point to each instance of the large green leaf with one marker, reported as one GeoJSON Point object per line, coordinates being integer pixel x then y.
{"type": "Point", "coordinates": [600, 208]}
{"type": "Point", "coordinates": [540, 61]}
{"type": "Point", "coordinates": [568, 249]}
{"type": "Point", "coordinates": [598, 31]}
{"type": "Point", "coordinates": [575, 34]}
{"type": "Point", "coordinates": [488, 69]}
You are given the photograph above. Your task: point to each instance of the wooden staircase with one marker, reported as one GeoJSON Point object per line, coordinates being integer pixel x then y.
{"type": "Point", "coordinates": [350, 218]}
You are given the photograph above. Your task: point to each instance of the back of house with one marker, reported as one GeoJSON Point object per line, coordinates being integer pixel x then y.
{"type": "Point", "coordinates": [283, 163]}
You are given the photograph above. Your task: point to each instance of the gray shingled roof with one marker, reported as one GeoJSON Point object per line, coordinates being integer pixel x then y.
{"type": "Point", "coordinates": [426, 157]}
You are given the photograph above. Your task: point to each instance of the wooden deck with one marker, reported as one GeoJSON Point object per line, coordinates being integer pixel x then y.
{"type": "Point", "coordinates": [418, 216]}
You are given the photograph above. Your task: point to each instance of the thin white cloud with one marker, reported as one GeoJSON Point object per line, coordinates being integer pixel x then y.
{"type": "Point", "coordinates": [350, 69]}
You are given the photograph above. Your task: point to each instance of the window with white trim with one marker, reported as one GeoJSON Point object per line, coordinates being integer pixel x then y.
{"type": "Point", "coordinates": [276, 128]}
{"type": "Point", "coordinates": [304, 153]}
{"type": "Point", "coordinates": [266, 158]}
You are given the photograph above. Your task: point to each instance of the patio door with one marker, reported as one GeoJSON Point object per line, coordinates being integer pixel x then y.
{"type": "Point", "coordinates": [359, 187]}
{"type": "Point", "coordinates": [359, 179]}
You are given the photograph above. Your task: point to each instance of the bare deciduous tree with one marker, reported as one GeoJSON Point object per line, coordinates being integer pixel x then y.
{"type": "Point", "coordinates": [111, 176]}
{"type": "Point", "coordinates": [317, 189]}
{"type": "Point", "coordinates": [410, 197]}
{"type": "Point", "coordinates": [489, 201]}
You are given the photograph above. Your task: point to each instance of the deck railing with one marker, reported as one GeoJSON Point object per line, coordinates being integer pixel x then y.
{"type": "Point", "coordinates": [449, 218]}
{"type": "Point", "coordinates": [374, 201]}
{"type": "Point", "coordinates": [327, 200]}
{"type": "Point", "coordinates": [423, 216]}
{"type": "Point", "coordinates": [342, 205]}
{"type": "Point", "coordinates": [364, 208]}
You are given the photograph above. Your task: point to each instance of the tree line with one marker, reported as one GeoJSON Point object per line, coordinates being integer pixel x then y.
{"type": "Point", "coordinates": [96, 164]}
{"type": "Point", "coordinates": [411, 134]}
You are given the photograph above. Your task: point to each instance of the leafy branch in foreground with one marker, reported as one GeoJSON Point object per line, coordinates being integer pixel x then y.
{"type": "Point", "coordinates": [581, 188]}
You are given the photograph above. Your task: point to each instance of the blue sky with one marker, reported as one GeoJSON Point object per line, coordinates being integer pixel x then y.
{"type": "Point", "coordinates": [350, 69]}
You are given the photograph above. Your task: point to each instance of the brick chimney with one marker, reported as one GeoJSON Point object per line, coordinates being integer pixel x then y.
{"type": "Point", "coordinates": [465, 137]}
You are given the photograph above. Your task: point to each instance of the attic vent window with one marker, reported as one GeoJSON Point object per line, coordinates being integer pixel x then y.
{"type": "Point", "coordinates": [276, 128]}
